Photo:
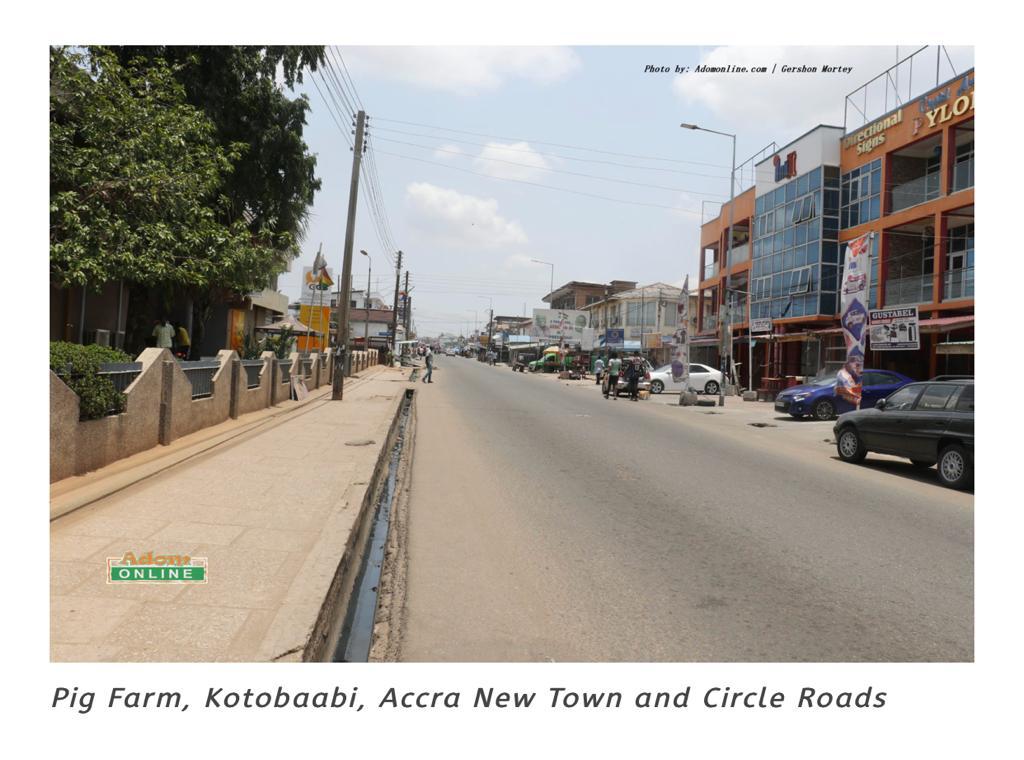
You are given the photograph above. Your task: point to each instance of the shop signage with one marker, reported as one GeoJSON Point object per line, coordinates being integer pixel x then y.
{"type": "Point", "coordinates": [894, 329]}
{"type": "Point", "coordinates": [760, 326]}
{"type": "Point", "coordinates": [559, 324]}
{"type": "Point", "coordinates": [941, 106]}
{"type": "Point", "coordinates": [614, 338]}
{"type": "Point", "coordinates": [784, 170]}
{"type": "Point", "coordinates": [872, 135]}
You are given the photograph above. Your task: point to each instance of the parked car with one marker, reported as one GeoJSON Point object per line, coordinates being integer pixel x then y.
{"type": "Point", "coordinates": [927, 423]}
{"type": "Point", "coordinates": [819, 400]}
{"type": "Point", "coordinates": [622, 386]}
{"type": "Point", "coordinates": [703, 379]}
{"type": "Point", "coordinates": [449, 352]}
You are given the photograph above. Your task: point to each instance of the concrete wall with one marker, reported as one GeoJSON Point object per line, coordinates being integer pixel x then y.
{"type": "Point", "coordinates": [159, 409]}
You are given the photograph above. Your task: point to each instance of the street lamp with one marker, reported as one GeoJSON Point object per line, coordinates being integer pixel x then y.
{"type": "Point", "coordinates": [728, 255]}
{"type": "Point", "coordinates": [549, 264]}
{"type": "Point", "coordinates": [366, 302]}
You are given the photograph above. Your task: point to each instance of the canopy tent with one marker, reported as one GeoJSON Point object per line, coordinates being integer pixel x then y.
{"type": "Point", "coordinates": [287, 323]}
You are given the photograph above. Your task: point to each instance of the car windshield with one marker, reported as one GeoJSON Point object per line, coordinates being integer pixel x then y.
{"type": "Point", "coordinates": [822, 382]}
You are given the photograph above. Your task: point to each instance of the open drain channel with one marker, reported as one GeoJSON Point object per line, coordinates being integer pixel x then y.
{"type": "Point", "coordinates": [357, 631]}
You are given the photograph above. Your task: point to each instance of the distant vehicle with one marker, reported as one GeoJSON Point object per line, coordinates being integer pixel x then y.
{"type": "Point", "coordinates": [703, 379]}
{"type": "Point", "coordinates": [819, 400]}
{"type": "Point", "coordinates": [449, 352]}
{"type": "Point", "coordinates": [927, 423]}
{"type": "Point", "coordinates": [547, 363]}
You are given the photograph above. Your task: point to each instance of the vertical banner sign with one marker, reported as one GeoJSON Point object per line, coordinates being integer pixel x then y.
{"type": "Point", "coordinates": [854, 316]}
{"type": "Point", "coordinates": [681, 350]}
{"type": "Point", "coordinates": [315, 308]}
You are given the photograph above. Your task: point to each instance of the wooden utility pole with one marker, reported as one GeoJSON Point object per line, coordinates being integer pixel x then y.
{"type": "Point", "coordinates": [341, 339]}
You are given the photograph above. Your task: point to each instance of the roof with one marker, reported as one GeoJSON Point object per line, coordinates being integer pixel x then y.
{"type": "Point", "coordinates": [655, 289]}
{"type": "Point", "coordinates": [571, 285]}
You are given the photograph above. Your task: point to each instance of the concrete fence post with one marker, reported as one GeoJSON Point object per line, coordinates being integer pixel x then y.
{"type": "Point", "coordinates": [236, 371]}
{"type": "Point", "coordinates": [166, 398]}
{"type": "Point", "coordinates": [275, 380]}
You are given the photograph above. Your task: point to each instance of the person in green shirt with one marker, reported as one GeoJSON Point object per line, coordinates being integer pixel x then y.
{"type": "Point", "coordinates": [614, 367]}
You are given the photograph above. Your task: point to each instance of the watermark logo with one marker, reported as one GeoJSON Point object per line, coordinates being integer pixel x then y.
{"type": "Point", "coordinates": [157, 568]}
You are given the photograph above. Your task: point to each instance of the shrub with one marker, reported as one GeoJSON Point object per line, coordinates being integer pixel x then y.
{"type": "Point", "coordinates": [78, 366]}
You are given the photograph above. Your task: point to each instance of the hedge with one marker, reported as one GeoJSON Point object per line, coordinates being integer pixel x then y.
{"type": "Point", "coordinates": [78, 366]}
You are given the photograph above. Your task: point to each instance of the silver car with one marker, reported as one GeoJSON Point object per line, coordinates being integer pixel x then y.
{"type": "Point", "coordinates": [703, 379]}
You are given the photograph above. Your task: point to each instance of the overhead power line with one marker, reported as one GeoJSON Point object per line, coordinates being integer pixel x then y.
{"type": "Point", "coordinates": [557, 145]}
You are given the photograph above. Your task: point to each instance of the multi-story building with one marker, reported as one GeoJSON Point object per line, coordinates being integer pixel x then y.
{"type": "Point", "coordinates": [906, 177]}
{"type": "Point", "coordinates": [575, 295]}
{"type": "Point", "coordinates": [647, 316]}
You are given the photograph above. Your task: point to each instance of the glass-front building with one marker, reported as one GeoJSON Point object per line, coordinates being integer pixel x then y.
{"type": "Point", "coordinates": [796, 247]}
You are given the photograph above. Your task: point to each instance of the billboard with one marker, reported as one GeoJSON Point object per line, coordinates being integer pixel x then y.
{"type": "Point", "coordinates": [895, 329]}
{"type": "Point", "coordinates": [555, 325]}
{"type": "Point", "coordinates": [315, 308]}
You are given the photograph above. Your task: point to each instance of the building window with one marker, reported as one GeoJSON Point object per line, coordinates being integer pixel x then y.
{"type": "Point", "coordinates": [963, 166]}
{"type": "Point", "coordinates": [958, 280]}
{"type": "Point", "coordinates": [860, 195]}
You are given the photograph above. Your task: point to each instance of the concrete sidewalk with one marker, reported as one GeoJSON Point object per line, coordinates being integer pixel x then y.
{"type": "Point", "coordinates": [274, 512]}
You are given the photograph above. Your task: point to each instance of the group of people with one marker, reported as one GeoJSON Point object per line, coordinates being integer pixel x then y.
{"type": "Point", "coordinates": [631, 370]}
{"type": "Point", "coordinates": [174, 336]}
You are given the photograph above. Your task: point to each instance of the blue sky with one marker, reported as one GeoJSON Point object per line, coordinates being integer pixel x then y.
{"type": "Point", "coordinates": [466, 236]}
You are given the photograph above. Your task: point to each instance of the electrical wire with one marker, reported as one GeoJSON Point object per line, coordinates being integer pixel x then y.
{"type": "Point", "coordinates": [554, 144]}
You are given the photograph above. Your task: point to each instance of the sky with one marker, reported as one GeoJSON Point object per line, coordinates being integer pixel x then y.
{"type": "Point", "coordinates": [468, 142]}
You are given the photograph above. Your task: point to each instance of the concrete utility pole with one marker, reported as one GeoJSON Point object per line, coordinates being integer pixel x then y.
{"type": "Point", "coordinates": [394, 308]}
{"type": "Point", "coordinates": [407, 309]}
{"type": "Point", "coordinates": [341, 359]}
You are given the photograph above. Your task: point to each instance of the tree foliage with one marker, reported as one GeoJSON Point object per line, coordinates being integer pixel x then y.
{"type": "Point", "coordinates": [136, 179]}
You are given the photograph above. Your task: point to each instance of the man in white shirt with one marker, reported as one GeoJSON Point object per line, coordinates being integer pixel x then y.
{"type": "Point", "coordinates": [164, 334]}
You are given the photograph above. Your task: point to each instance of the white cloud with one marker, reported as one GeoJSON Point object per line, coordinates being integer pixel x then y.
{"type": "Point", "coordinates": [787, 105]}
{"type": "Point", "coordinates": [463, 70]}
{"type": "Point", "coordinates": [523, 162]}
{"type": "Point", "coordinates": [450, 218]}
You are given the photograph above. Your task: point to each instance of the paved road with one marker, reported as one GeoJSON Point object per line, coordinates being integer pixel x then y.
{"type": "Point", "coordinates": [547, 523]}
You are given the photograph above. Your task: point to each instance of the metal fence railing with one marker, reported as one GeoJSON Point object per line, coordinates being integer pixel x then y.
{"type": "Point", "coordinates": [252, 368]}
{"type": "Point", "coordinates": [200, 374]}
{"type": "Point", "coordinates": [121, 374]}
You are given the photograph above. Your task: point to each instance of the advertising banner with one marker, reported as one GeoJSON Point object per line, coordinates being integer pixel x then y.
{"type": "Point", "coordinates": [615, 338]}
{"type": "Point", "coordinates": [681, 352]}
{"type": "Point", "coordinates": [315, 308]}
{"type": "Point", "coordinates": [555, 325]}
{"type": "Point", "coordinates": [854, 316]}
{"type": "Point", "coordinates": [895, 329]}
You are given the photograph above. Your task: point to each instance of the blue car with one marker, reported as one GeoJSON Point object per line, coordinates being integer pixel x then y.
{"type": "Point", "coordinates": [819, 400]}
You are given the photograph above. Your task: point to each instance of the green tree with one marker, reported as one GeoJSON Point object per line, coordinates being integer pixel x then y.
{"type": "Point", "coordinates": [135, 174]}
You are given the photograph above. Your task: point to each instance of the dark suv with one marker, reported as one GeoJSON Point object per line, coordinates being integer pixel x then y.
{"type": "Point", "coordinates": [927, 423]}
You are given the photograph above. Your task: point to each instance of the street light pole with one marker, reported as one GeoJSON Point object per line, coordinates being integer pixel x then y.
{"type": "Point", "coordinates": [547, 263]}
{"type": "Point", "coordinates": [366, 302]}
{"type": "Point", "coordinates": [728, 257]}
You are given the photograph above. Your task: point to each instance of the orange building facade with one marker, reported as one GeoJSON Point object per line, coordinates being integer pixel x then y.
{"type": "Point", "coordinates": [907, 179]}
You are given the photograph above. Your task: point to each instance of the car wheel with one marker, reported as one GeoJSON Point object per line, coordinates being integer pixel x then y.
{"type": "Point", "coordinates": [921, 463]}
{"type": "Point", "coordinates": [850, 446]}
{"type": "Point", "coordinates": [954, 468]}
{"type": "Point", "coordinates": [657, 386]}
{"type": "Point", "coordinates": [824, 410]}
{"type": "Point", "coordinates": [711, 387]}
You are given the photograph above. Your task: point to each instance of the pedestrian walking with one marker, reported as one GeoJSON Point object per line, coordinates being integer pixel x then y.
{"type": "Point", "coordinates": [634, 371]}
{"type": "Point", "coordinates": [184, 343]}
{"type": "Point", "coordinates": [164, 334]}
{"type": "Point", "coordinates": [598, 370]}
{"type": "Point", "coordinates": [430, 366]}
{"type": "Point", "coordinates": [614, 367]}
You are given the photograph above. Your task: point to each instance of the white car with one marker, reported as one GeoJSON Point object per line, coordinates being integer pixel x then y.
{"type": "Point", "coordinates": [703, 379]}
{"type": "Point", "coordinates": [449, 352]}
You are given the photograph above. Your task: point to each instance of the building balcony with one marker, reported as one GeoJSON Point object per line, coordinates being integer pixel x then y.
{"type": "Point", "coordinates": [963, 175]}
{"type": "Point", "coordinates": [958, 284]}
{"type": "Point", "coordinates": [918, 190]}
{"type": "Point", "coordinates": [909, 290]}
{"type": "Point", "coordinates": [740, 253]}
{"type": "Point", "coordinates": [710, 270]}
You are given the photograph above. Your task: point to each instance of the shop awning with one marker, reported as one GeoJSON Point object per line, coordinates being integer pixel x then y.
{"type": "Point", "coordinates": [946, 324]}
{"type": "Point", "coordinates": [703, 341]}
{"type": "Point", "coordinates": [955, 347]}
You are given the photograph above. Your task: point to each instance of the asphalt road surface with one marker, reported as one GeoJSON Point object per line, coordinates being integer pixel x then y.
{"type": "Point", "coordinates": [549, 524]}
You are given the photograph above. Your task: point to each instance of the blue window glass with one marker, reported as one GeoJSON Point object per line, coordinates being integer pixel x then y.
{"type": "Point", "coordinates": [790, 191]}
{"type": "Point", "coordinates": [777, 263]}
{"type": "Point", "coordinates": [780, 217]}
{"type": "Point", "coordinates": [777, 244]}
{"type": "Point", "coordinates": [801, 185]}
{"type": "Point", "coordinates": [759, 205]}
{"type": "Point", "coordinates": [812, 232]}
{"type": "Point", "coordinates": [814, 179]}
{"type": "Point", "coordinates": [875, 207]}
{"type": "Point", "coordinates": [780, 196]}
{"type": "Point", "coordinates": [801, 234]}
{"type": "Point", "coordinates": [788, 236]}
{"type": "Point", "coordinates": [787, 260]}
{"type": "Point", "coordinates": [865, 210]}
{"type": "Point", "coordinates": [876, 182]}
